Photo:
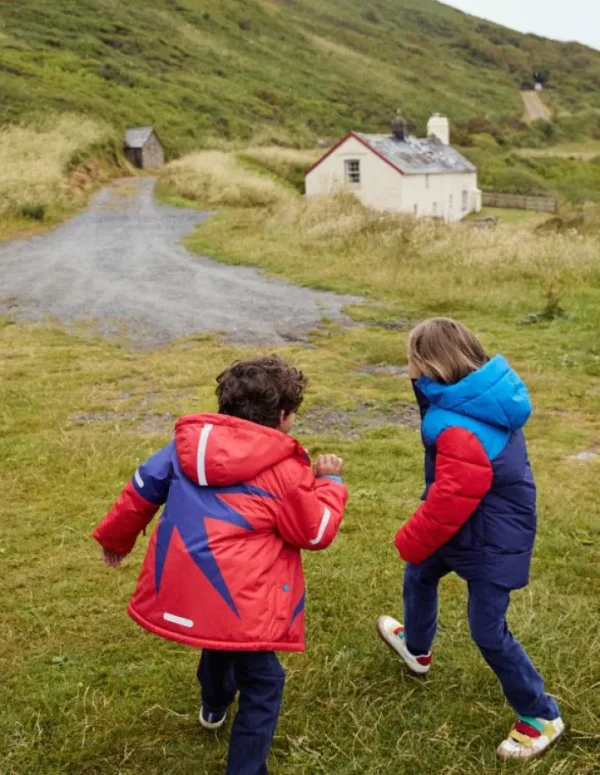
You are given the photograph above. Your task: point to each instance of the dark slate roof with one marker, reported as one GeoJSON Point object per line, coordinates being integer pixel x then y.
{"type": "Point", "coordinates": [418, 156]}
{"type": "Point", "coordinates": [138, 136]}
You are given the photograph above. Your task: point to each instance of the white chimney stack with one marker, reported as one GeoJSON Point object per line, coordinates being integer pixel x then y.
{"type": "Point", "coordinates": [439, 126]}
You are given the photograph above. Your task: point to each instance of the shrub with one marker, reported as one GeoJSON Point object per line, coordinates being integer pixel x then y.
{"type": "Point", "coordinates": [552, 309]}
{"type": "Point", "coordinates": [371, 16]}
{"type": "Point", "coordinates": [34, 212]}
{"type": "Point", "coordinates": [111, 73]}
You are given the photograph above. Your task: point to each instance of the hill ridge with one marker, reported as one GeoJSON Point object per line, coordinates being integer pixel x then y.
{"type": "Point", "coordinates": [287, 70]}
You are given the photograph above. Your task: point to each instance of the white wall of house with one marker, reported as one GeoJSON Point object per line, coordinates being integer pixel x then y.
{"type": "Point", "coordinates": [380, 185]}
{"type": "Point", "coordinates": [448, 196]}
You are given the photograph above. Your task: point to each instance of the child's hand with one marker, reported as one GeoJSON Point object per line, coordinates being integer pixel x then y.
{"type": "Point", "coordinates": [328, 465]}
{"type": "Point", "coordinates": [112, 559]}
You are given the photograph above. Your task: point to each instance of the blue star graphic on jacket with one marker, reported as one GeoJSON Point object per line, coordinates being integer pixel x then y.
{"type": "Point", "coordinates": [191, 526]}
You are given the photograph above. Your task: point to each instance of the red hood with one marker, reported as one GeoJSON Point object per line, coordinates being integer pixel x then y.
{"type": "Point", "coordinates": [217, 450]}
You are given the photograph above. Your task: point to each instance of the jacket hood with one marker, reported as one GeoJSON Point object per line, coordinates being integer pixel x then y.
{"type": "Point", "coordinates": [495, 394]}
{"type": "Point", "coordinates": [216, 450]}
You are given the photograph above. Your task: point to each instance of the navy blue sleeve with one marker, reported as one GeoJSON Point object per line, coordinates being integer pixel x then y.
{"type": "Point", "coordinates": [153, 478]}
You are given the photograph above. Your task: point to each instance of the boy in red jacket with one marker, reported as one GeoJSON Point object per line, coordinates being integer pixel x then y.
{"type": "Point", "coordinates": [223, 570]}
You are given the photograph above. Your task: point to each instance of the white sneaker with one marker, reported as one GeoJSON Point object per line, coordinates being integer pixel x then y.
{"type": "Point", "coordinates": [212, 721]}
{"type": "Point", "coordinates": [391, 632]}
{"type": "Point", "coordinates": [531, 737]}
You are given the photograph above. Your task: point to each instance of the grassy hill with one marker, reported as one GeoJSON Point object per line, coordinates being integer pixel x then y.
{"type": "Point", "coordinates": [285, 70]}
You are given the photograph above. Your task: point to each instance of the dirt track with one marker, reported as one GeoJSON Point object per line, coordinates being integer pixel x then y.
{"type": "Point", "coordinates": [120, 264]}
{"type": "Point", "coordinates": [535, 110]}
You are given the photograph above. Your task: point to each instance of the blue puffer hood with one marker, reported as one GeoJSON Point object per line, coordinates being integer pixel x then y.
{"type": "Point", "coordinates": [494, 394]}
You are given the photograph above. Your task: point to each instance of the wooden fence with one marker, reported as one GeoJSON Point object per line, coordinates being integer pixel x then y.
{"type": "Point", "coordinates": [544, 204]}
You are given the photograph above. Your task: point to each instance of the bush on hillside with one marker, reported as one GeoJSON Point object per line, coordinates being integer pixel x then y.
{"type": "Point", "coordinates": [33, 212]}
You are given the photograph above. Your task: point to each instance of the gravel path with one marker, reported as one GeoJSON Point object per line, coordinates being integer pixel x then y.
{"type": "Point", "coordinates": [120, 264]}
{"type": "Point", "coordinates": [535, 110]}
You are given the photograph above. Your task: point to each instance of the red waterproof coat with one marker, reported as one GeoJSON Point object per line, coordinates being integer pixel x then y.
{"type": "Point", "coordinates": [223, 568]}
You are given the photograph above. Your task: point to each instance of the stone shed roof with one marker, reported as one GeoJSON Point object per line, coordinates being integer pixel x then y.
{"type": "Point", "coordinates": [138, 136]}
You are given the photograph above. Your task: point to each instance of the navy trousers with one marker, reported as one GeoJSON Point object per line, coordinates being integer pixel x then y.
{"type": "Point", "coordinates": [259, 678]}
{"type": "Point", "coordinates": [488, 603]}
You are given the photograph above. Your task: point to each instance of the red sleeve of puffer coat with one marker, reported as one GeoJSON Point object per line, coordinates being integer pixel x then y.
{"type": "Point", "coordinates": [141, 498]}
{"type": "Point", "coordinates": [312, 511]}
{"type": "Point", "coordinates": [463, 475]}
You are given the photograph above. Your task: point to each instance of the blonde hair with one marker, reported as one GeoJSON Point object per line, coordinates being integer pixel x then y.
{"type": "Point", "coordinates": [445, 350]}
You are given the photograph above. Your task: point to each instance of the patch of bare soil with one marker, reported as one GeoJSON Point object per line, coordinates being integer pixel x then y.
{"type": "Point", "coordinates": [350, 424]}
{"type": "Point", "coordinates": [344, 423]}
{"type": "Point", "coordinates": [143, 424]}
{"type": "Point", "coordinates": [397, 324]}
{"type": "Point", "coordinates": [384, 369]}
{"type": "Point", "coordinates": [587, 455]}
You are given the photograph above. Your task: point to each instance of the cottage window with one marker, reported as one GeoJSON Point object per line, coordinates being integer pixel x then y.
{"type": "Point", "coordinates": [465, 201]}
{"type": "Point", "coordinates": [435, 209]}
{"type": "Point", "coordinates": [353, 172]}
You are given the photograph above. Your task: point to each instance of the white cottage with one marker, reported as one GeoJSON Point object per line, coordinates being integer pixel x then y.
{"type": "Point", "coordinates": [399, 173]}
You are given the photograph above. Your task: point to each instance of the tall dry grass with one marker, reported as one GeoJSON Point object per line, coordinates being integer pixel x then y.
{"type": "Point", "coordinates": [337, 243]}
{"type": "Point", "coordinates": [218, 179]}
{"type": "Point", "coordinates": [290, 164]}
{"type": "Point", "coordinates": [36, 163]}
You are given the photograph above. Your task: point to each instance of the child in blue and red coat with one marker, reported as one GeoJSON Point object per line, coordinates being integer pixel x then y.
{"type": "Point", "coordinates": [223, 570]}
{"type": "Point", "coordinates": [478, 519]}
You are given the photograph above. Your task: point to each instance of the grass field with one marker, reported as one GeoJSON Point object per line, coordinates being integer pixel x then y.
{"type": "Point", "coordinates": [584, 151]}
{"type": "Point", "coordinates": [567, 176]}
{"type": "Point", "coordinates": [86, 691]}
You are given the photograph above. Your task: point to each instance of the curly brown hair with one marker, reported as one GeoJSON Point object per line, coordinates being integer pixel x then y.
{"type": "Point", "coordinates": [260, 389]}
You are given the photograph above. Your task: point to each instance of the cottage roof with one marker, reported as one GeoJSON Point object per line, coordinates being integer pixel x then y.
{"type": "Point", "coordinates": [138, 136]}
{"type": "Point", "coordinates": [418, 156]}
{"type": "Point", "coordinates": [411, 156]}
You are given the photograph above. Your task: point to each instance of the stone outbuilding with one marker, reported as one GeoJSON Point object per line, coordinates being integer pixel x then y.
{"type": "Point", "coordinates": [143, 148]}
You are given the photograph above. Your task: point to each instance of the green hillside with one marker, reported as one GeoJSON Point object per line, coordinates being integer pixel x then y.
{"type": "Point", "coordinates": [287, 69]}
